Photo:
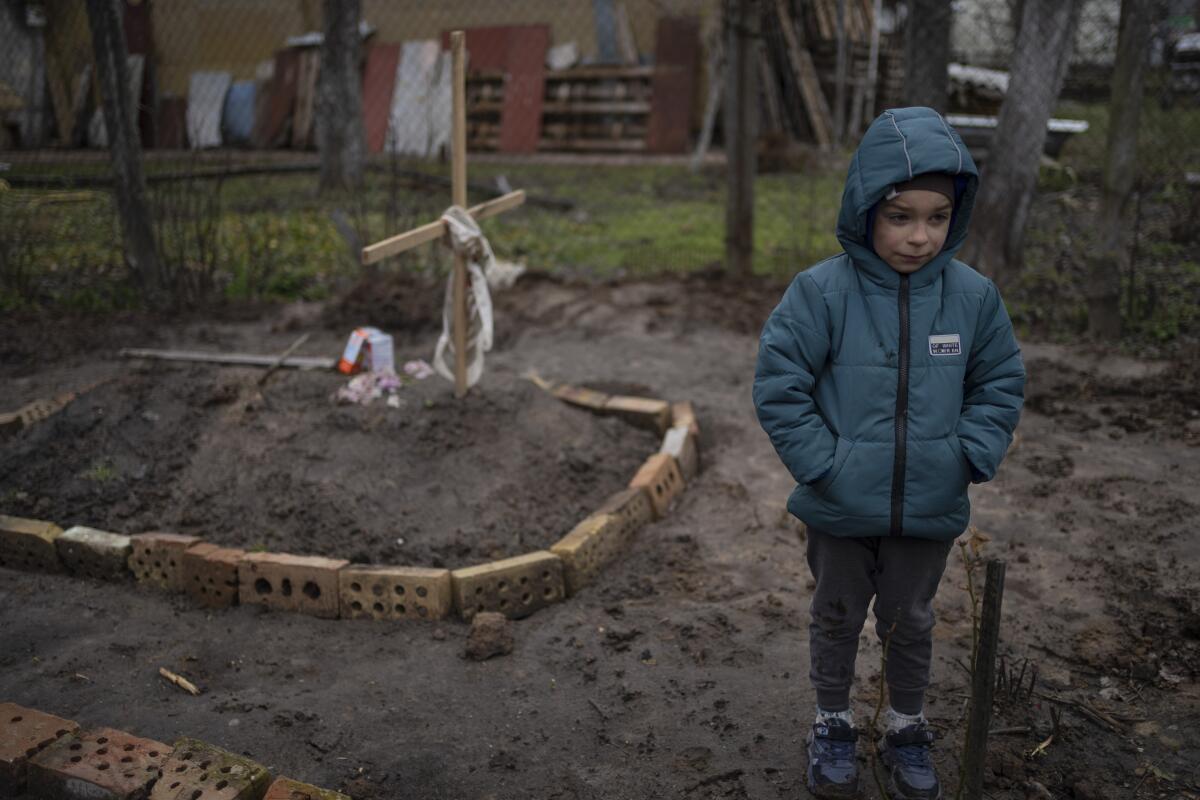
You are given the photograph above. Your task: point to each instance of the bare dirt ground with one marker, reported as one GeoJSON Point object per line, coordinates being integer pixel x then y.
{"type": "Point", "coordinates": [683, 674]}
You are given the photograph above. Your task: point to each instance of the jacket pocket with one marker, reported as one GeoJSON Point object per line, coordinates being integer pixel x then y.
{"type": "Point", "coordinates": [935, 478]}
{"type": "Point", "coordinates": [841, 454]}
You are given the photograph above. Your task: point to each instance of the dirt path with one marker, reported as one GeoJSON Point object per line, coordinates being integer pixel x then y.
{"type": "Point", "coordinates": [684, 674]}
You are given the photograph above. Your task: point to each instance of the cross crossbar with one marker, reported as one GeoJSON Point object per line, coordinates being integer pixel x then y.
{"type": "Point", "coordinates": [433, 230]}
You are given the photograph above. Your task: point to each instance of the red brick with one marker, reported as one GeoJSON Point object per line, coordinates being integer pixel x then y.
{"type": "Point", "coordinates": [89, 553]}
{"type": "Point", "coordinates": [197, 770]}
{"type": "Point", "coordinates": [28, 544]}
{"type": "Point", "coordinates": [97, 763]}
{"type": "Point", "coordinates": [157, 558]}
{"type": "Point", "coordinates": [380, 592]}
{"type": "Point", "coordinates": [24, 732]}
{"type": "Point", "coordinates": [661, 479]}
{"type": "Point", "coordinates": [210, 574]}
{"type": "Point", "coordinates": [288, 789]}
{"type": "Point", "coordinates": [308, 584]}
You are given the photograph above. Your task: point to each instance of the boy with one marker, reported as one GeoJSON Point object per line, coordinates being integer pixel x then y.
{"type": "Point", "coordinates": [888, 379]}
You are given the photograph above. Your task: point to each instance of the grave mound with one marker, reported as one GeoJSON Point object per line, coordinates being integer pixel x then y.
{"type": "Point", "coordinates": [435, 483]}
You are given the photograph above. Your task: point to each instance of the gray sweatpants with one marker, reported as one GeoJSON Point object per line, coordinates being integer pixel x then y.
{"type": "Point", "coordinates": [902, 574]}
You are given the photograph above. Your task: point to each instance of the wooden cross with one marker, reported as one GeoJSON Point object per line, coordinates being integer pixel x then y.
{"type": "Point", "coordinates": [434, 230]}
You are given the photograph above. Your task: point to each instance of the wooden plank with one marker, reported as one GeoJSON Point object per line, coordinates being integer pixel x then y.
{"type": "Point", "coordinates": [770, 92]}
{"type": "Point", "coordinates": [524, 92]}
{"type": "Point", "coordinates": [626, 46]}
{"type": "Point", "coordinates": [983, 680]}
{"type": "Point", "coordinates": [229, 359]}
{"type": "Point", "coordinates": [379, 82]}
{"type": "Point", "coordinates": [433, 230]}
{"type": "Point", "coordinates": [306, 97]}
{"type": "Point", "coordinates": [598, 72]}
{"type": "Point", "coordinates": [677, 55]}
{"type": "Point", "coordinates": [806, 77]}
{"type": "Point", "coordinates": [282, 94]}
{"type": "Point", "coordinates": [623, 145]}
{"type": "Point", "coordinates": [598, 107]}
{"type": "Point", "coordinates": [458, 172]}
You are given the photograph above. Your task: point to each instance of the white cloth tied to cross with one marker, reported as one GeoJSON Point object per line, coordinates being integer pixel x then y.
{"type": "Point", "coordinates": [467, 240]}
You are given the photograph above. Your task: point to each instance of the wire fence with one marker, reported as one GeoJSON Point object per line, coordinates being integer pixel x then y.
{"type": "Point", "coordinates": [607, 112]}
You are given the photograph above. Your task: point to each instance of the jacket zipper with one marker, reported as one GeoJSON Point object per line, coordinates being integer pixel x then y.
{"type": "Point", "coordinates": [898, 463]}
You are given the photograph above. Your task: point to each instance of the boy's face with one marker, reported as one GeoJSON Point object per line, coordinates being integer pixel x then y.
{"type": "Point", "coordinates": [911, 228]}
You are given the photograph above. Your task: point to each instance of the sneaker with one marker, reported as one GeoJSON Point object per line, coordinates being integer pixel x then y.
{"type": "Point", "coordinates": [832, 768]}
{"type": "Point", "coordinates": [911, 774]}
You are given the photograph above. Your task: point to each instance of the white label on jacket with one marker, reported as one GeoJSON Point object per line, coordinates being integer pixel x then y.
{"type": "Point", "coordinates": [944, 344]}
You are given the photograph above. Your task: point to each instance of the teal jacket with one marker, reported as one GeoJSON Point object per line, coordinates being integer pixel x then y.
{"type": "Point", "coordinates": [885, 395]}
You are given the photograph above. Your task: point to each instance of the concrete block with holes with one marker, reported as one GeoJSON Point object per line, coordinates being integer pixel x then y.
{"type": "Point", "coordinates": [380, 592]}
{"type": "Point", "coordinates": [197, 770]}
{"type": "Point", "coordinates": [644, 412]}
{"type": "Point", "coordinates": [684, 413]}
{"type": "Point", "coordinates": [661, 479]}
{"type": "Point", "coordinates": [91, 553]}
{"type": "Point", "coordinates": [515, 587]}
{"type": "Point", "coordinates": [210, 574]}
{"type": "Point", "coordinates": [578, 396]}
{"type": "Point", "coordinates": [283, 582]}
{"type": "Point", "coordinates": [288, 789]}
{"type": "Point", "coordinates": [157, 559]}
{"type": "Point", "coordinates": [590, 546]}
{"type": "Point", "coordinates": [24, 733]}
{"type": "Point", "coordinates": [100, 763]}
{"type": "Point", "coordinates": [28, 544]}
{"type": "Point", "coordinates": [680, 443]}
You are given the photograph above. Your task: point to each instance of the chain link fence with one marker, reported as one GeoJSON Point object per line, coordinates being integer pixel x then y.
{"type": "Point", "coordinates": [607, 112]}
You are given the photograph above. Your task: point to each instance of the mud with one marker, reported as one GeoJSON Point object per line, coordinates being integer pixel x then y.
{"type": "Point", "coordinates": [683, 674]}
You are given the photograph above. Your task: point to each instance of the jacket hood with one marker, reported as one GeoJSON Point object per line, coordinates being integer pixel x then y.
{"type": "Point", "coordinates": [901, 144]}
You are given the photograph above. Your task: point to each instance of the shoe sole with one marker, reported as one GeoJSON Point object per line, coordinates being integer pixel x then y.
{"type": "Point", "coordinates": [831, 791]}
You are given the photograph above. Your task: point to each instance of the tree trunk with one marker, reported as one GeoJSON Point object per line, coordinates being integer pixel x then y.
{"type": "Point", "coordinates": [129, 183]}
{"type": "Point", "coordinates": [1109, 257]}
{"type": "Point", "coordinates": [340, 136]}
{"type": "Point", "coordinates": [741, 131]}
{"type": "Point", "coordinates": [927, 53]}
{"type": "Point", "coordinates": [1039, 65]}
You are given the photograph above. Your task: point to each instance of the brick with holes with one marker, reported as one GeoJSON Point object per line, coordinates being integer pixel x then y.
{"type": "Point", "coordinates": [288, 789]}
{"type": "Point", "coordinates": [210, 574]}
{"type": "Point", "coordinates": [28, 544]}
{"type": "Point", "coordinates": [379, 592]}
{"type": "Point", "coordinates": [91, 553]}
{"type": "Point", "coordinates": [661, 479]}
{"type": "Point", "coordinates": [515, 587]}
{"type": "Point", "coordinates": [197, 770]}
{"type": "Point", "coordinates": [680, 443]}
{"type": "Point", "coordinates": [590, 545]}
{"type": "Point", "coordinates": [284, 582]}
{"type": "Point", "coordinates": [634, 508]}
{"type": "Point", "coordinates": [23, 733]}
{"type": "Point", "coordinates": [644, 412]}
{"type": "Point", "coordinates": [100, 763]}
{"type": "Point", "coordinates": [157, 558]}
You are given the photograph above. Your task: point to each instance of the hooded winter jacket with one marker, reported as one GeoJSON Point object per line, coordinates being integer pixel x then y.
{"type": "Point", "coordinates": [884, 394]}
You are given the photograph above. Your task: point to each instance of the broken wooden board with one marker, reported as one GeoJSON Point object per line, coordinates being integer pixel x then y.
{"type": "Point", "coordinates": [231, 359]}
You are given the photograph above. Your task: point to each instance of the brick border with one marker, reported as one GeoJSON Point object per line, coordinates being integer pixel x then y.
{"type": "Point", "coordinates": [216, 576]}
{"type": "Point", "coordinates": [56, 757]}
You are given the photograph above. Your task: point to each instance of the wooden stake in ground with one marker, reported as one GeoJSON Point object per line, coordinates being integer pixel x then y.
{"type": "Point", "coordinates": [983, 680]}
{"type": "Point", "coordinates": [458, 174]}
{"type": "Point", "coordinates": [426, 233]}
